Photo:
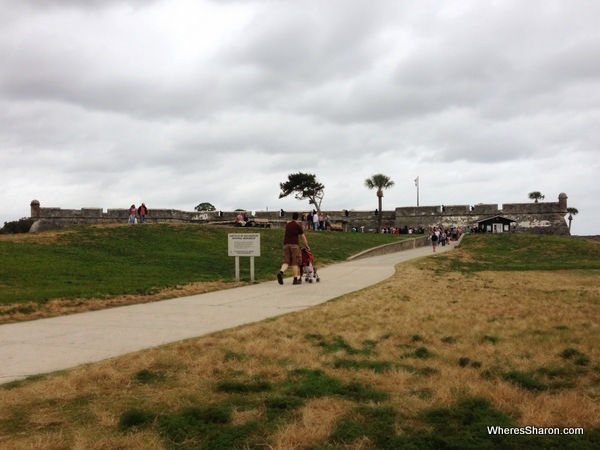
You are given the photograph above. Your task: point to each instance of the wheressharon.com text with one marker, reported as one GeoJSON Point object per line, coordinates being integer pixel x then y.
{"type": "Point", "coordinates": [535, 430]}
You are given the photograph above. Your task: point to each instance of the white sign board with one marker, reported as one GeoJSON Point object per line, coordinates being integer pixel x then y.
{"type": "Point", "coordinates": [243, 244]}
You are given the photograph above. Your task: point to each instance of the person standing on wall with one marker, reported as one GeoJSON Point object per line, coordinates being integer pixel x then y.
{"type": "Point", "coordinates": [239, 220]}
{"type": "Point", "coordinates": [142, 211]}
{"type": "Point", "coordinates": [292, 256]}
{"type": "Point", "coordinates": [132, 211]}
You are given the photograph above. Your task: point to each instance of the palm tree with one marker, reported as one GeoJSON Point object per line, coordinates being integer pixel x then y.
{"type": "Point", "coordinates": [380, 182]}
{"type": "Point", "coordinates": [536, 195]}
{"type": "Point", "coordinates": [572, 212]}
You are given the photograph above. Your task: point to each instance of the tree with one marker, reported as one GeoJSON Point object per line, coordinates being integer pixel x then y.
{"type": "Point", "coordinates": [205, 207]}
{"type": "Point", "coordinates": [380, 182]}
{"type": "Point", "coordinates": [18, 226]}
{"type": "Point", "coordinates": [572, 212]}
{"type": "Point", "coordinates": [306, 186]}
{"type": "Point", "coordinates": [536, 195]}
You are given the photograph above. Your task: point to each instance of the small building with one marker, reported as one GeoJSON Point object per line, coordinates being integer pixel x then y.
{"type": "Point", "coordinates": [496, 224]}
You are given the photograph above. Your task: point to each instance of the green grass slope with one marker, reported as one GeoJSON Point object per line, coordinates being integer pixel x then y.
{"type": "Point", "coordinates": [108, 261]}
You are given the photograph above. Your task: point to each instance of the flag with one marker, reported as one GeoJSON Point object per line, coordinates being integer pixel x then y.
{"type": "Point", "coordinates": [417, 181]}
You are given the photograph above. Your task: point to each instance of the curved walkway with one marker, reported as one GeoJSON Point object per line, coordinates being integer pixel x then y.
{"type": "Point", "coordinates": [47, 345]}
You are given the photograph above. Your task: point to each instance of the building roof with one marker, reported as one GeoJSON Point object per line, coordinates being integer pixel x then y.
{"type": "Point", "coordinates": [496, 218]}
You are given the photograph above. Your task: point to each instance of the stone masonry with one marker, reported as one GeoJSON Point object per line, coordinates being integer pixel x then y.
{"type": "Point", "coordinates": [543, 217]}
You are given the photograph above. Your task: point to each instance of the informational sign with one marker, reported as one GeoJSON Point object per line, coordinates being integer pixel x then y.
{"type": "Point", "coordinates": [243, 244]}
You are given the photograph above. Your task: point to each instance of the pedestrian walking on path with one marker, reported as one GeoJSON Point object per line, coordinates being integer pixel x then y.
{"type": "Point", "coordinates": [292, 256]}
{"type": "Point", "coordinates": [434, 239]}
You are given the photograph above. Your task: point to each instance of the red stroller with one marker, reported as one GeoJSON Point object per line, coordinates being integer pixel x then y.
{"type": "Point", "coordinates": [309, 272]}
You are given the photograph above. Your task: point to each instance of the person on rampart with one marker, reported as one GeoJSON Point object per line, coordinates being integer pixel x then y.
{"type": "Point", "coordinates": [292, 255]}
{"type": "Point", "coordinates": [132, 212]}
{"type": "Point", "coordinates": [142, 211]}
{"type": "Point", "coordinates": [240, 220]}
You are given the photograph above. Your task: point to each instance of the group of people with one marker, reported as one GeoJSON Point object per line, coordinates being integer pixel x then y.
{"type": "Point", "coordinates": [138, 214]}
{"type": "Point", "coordinates": [404, 230]}
{"type": "Point", "coordinates": [315, 221]}
{"type": "Point", "coordinates": [442, 236]}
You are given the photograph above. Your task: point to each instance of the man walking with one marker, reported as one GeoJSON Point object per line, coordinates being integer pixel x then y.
{"type": "Point", "coordinates": [292, 256]}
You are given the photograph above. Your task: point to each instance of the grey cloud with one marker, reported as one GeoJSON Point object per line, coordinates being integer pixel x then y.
{"type": "Point", "coordinates": [304, 45]}
{"type": "Point", "coordinates": [34, 5]}
{"type": "Point", "coordinates": [109, 102]}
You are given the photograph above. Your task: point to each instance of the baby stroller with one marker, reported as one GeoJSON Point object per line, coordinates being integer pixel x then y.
{"type": "Point", "coordinates": [309, 272]}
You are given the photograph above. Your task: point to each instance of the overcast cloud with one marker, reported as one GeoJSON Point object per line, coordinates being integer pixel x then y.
{"type": "Point", "coordinates": [174, 103]}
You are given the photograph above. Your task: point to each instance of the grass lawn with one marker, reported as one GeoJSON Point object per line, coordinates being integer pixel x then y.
{"type": "Point", "coordinates": [94, 267]}
{"type": "Point", "coordinates": [433, 357]}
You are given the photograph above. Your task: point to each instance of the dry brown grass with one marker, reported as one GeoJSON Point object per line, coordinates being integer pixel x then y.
{"type": "Point", "coordinates": [316, 422]}
{"type": "Point", "coordinates": [47, 237]}
{"type": "Point", "coordinates": [502, 321]}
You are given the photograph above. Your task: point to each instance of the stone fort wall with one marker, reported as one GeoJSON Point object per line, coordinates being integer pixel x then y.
{"type": "Point", "coordinates": [544, 217]}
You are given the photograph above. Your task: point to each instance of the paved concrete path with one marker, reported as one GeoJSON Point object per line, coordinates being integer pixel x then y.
{"type": "Point", "coordinates": [47, 345]}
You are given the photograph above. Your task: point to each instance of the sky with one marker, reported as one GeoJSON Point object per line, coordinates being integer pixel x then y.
{"type": "Point", "coordinates": [105, 103]}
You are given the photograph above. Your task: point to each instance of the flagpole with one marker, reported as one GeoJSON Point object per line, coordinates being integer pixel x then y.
{"type": "Point", "coordinates": [417, 185]}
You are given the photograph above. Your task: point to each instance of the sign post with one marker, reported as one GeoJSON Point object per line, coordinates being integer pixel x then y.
{"type": "Point", "coordinates": [243, 244]}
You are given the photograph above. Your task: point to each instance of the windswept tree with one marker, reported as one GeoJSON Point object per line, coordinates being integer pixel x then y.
{"type": "Point", "coordinates": [536, 195]}
{"type": "Point", "coordinates": [306, 187]}
{"type": "Point", "coordinates": [379, 182]}
{"type": "Point", "coordinates": [572, 212]}
{"type": "Point", "coordinates": [205, 207]}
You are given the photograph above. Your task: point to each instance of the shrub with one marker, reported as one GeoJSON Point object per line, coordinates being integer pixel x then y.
{"type": "Point", "coordinates": [19, 226]}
